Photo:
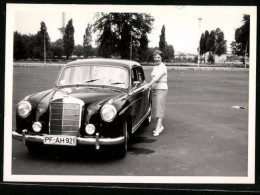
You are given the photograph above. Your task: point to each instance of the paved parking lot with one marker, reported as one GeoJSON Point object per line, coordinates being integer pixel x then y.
{"type": "Point", "coordinates": [205, 134]}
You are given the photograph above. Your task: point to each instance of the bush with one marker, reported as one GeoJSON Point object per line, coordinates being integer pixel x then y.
{"type": "Point", "coordinates": [195, 59]}
{"type": "Point", "coordinates": [190, 60]}
{"type": "Point", "coordinates": [211, 59]}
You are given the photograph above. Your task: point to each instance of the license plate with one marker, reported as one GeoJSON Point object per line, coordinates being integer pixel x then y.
{"type": "Point", "coordinates": [60, 140]}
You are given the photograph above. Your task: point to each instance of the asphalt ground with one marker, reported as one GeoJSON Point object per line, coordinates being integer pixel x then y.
{"type": "Point", "coordinates": [206, 129]}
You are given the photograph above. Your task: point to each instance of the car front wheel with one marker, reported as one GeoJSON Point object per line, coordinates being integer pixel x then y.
{"type": "Point", "coordinates": [122, 148]}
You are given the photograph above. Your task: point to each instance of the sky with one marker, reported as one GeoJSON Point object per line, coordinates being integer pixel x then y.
{"type": "Point", "coordinates": [181, 22]}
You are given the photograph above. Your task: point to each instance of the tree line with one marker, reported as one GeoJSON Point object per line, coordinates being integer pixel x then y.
{"type": "Point", "coordinates": [34, 46]}
{"type": "Point", "coordinates": [125, 36]}
{"type": "Point", "coordinates": [213, 42]}
{"type": "Point", "coordinates": [119, 35]}
{"type": "Point", "coordinates": [240, 46]}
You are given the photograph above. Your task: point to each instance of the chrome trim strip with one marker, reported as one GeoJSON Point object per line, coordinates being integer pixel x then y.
{"type": "Point", "coordinates": [80, 140]}
{"type": "Point", "coordinates": [64, 126]}
{"type": "Point", "coordinates": [131, 93]}
{"type": "Point", "coordinates": [80, 65]}
{"type": "Point", "coordinates": [16, 136]}
{"type": "Point", "coordinates": [97, 141]}
{"type": "Point", "coordinates": [140, 122]}
{"type": "Point", "coordinates": [23, 136]}
{"type": "Point", "coordinates": [122, 111]}
{"type": "Point", "coordinates": [63, 131]}
{"type": "Point", "coordinates": [102, 141]}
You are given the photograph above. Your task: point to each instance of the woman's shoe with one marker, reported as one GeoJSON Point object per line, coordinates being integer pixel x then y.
{"type": "Point", "coordinates": [159, 132]}
{"type": "Point", "coordinates": [161, 129]}
{"type": "Point", "coordinates": [156, 133]}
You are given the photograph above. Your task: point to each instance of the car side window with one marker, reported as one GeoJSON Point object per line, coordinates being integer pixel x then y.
{"type": "Point", "coordinates": [137, 74]}
{"type": "Point", "coordinates": [140, 73]}
{"type": "Point", "coordinates": [133, 76]}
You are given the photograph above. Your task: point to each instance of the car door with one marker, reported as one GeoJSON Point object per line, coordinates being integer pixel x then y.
{"type": "Point", "coordinates": [136, 99]}
{"type": "Point", "coordinates": [145, 92]}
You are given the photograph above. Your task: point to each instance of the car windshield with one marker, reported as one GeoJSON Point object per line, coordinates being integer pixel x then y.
{"type": "Point", "coordinates": [94, 75]}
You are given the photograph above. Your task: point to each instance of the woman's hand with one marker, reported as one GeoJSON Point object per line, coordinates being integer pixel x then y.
{"type": "Point", "coordinates": [146, 86]}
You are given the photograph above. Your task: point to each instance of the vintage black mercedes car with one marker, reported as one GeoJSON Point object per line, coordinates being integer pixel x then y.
{"type": "Point", "coordinates": [94, 102]}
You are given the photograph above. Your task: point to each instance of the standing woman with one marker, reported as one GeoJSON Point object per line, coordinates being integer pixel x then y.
{"type": "Point", "coordinates": [159, 90]}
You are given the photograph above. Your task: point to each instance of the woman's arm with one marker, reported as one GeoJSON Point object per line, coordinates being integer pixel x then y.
{"type": "Point", "coordinates": [154, 80]}
{"type": "Point", "coordinates": [160, 72]}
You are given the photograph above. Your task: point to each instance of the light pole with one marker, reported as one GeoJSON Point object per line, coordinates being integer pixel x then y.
{"type": "Point", "coordinates": [245, 53]}
{"type": "Point", "coordinates": [44, 47]}
{"type": "Point", "coordinates": [199, 43]}
{"type": "Point", "coordinates": [131, 44]}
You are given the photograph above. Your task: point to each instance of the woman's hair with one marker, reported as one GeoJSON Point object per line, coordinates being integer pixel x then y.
{"type": "Point", "coordinates": [158, 52]}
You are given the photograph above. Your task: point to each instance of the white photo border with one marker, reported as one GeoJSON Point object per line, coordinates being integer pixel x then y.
{"type": "Point", "coordinates": [12, 8]}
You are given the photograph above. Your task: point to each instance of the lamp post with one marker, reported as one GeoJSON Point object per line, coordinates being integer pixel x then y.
{"type": "Point", "coordinates": [199, 43]}
{"type": "Point", "coordinates": [131, 44]}
{"type": "Point", "coordinates": [245, 53]}
{"type": "Point", "coordinates": [44, 47]}
{"type": "Point", "coordinates": [216, 47]}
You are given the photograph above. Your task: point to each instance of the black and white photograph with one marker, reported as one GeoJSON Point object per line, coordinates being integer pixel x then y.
{"type": "Point", "coordinates": [130, 94]}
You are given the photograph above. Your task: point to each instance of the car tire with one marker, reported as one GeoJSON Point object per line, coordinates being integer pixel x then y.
{"type": "Point", "coordinates": [122, 148]}
{"type": "Point", "coordinates": [34, 148]}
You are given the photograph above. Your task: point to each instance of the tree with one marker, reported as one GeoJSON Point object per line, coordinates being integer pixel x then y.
{"type": "Point", "coordinates": [210, 42]}
{"type": "Point", "coordinates": [241, 44]}
{"type": "Point", "coordinates": [42, 39]}
{"type": "Point", "coordinates": [30, 45]}
{"type": "Point", "coordinates": [19, 47]}
{"type": "Point", "coordinates": [68, 39]}
{"type": "Point", "coordinates": [78, 50]}
{"type": "Point", "coordinates": [162, 42]}
{"type": "Point", "coordinates": [202, 44]}
{"type": "Point", "coordinates": [115, 30]}
{"type": "Point", "coordinates": [87, 39]}
{"type": "Point", "coordinates": [164, 47]}
{"type": "Point", "coordinates": [205, 42]}
{"type": "Point", "coordinates": [221, 47]}
{"type": "Point", "coordinates": [169, 52]}
{"type": "Point", "coordinates": [213, 43]}
{"type": "Point", "coordinates": [143, 49]}
{"type": "Point", "coordinates": [106, 42]}
{"type": "Point", "coordinates": [150, 53]}
{"type": "Point", "coordinates": [57, 49]}
{"type": "Point", "coordinates": [211, 59]}
{"type": "Point", "coordinates": [236, 48]}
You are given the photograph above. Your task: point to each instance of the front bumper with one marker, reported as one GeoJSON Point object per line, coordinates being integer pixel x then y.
{"type": "Point", "coordinates": [97, 141]}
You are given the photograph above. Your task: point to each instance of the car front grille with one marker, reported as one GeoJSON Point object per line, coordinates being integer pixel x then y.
{"type": "Point", "coordinates": [65, 117]}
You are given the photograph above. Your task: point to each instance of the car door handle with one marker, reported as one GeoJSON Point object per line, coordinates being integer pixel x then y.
{"type": "Point", "coordinates": [144, 87]}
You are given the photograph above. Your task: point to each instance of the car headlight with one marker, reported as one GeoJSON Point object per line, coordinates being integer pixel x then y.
{"type": "Point", "coordinates": [24, 109]}
{"type": "Point", "coordinates": [108, 113]}
{"type": "Point", "coordinates": [90, 129]}
{"type": "Point", "coordinates": [37, 126]}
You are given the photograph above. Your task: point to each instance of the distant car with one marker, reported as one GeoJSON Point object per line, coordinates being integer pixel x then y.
{"type": "Point", "coordinates": [94, 102]}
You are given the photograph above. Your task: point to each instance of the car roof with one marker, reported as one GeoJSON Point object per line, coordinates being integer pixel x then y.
{"type": "Point", "coordinates": [105, 61]}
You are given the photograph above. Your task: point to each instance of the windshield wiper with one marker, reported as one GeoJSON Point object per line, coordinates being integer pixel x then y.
{"type": "Point", "coordinates": [89, 81]}
{"type": "Point", "coordinates": [117, 83]}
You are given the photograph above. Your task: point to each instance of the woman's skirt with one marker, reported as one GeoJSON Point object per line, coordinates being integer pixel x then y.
{"type": "Point", "coordinates": [159, 98]}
